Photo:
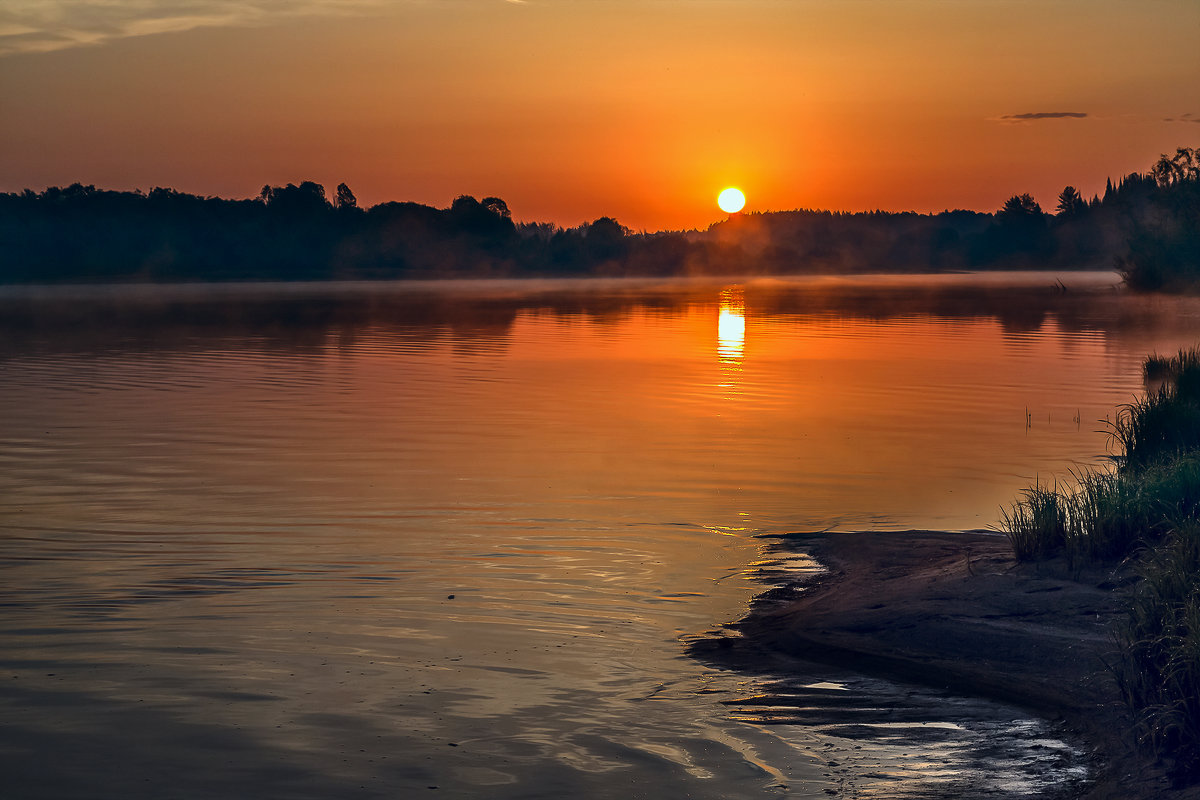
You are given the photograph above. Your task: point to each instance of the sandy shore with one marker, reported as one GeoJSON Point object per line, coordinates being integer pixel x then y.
{"type": "Point", "coordinates": [954, 611]}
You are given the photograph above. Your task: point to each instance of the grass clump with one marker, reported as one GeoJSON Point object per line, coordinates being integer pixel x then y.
{"type": "Point", "coordinates": [1110, 513]}
{"type": "Point", "coordinates": [1166, 422]}
{"type": "Point", "coordinates": [1036, 524]}
{"type": "Point", "coordinates": [1168, 368]}
{"type": "Point", "coordinates": [1160, 426]}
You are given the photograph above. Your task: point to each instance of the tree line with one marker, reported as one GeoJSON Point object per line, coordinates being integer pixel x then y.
{"type": "Point", "coordinates": [1163, 242]}
{"type": "Point", "coordinates": [1144, 223]}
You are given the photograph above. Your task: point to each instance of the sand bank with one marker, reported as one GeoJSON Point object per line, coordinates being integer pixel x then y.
{"type": "Point", "coordinates": [954, 611]}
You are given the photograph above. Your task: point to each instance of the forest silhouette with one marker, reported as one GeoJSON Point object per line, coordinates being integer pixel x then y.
{"type": "Point", "coordinates": [1147, 225]}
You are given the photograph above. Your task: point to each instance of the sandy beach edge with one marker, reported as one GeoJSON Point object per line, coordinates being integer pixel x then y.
{"type": "Point", "coordinates": [956, 611]}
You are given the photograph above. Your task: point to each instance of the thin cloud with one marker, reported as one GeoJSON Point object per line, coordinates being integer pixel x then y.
{"type": "Point", "coordinates": [1044, 115]}
{"type": "Point", "coordinates": [1189, 117]}
{"type": "Point", "coordinates": [38, 26]}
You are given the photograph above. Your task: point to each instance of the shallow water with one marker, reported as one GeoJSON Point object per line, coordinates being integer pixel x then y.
{"type": "Point", "coordinates": [361, 540]}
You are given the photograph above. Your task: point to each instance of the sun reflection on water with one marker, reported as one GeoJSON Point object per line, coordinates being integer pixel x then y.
{"type": "Point", "coordinates": [731, 339]}
{"type": "Point", "coordinates": [731, 325]}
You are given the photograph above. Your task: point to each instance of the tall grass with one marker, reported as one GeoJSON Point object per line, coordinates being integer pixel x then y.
{"type": "Point", "coordinates": [1166, 422]}
{"type": "Point", "coordinates": [1109, 514]}
{"type": "Point", "coordinates": [1146, 508]}
{"type": "Point", "coordinates": [1036, 524]}
{"type": "Point", "coordinates": [1159, 671]}
{"type": "Point", "coordinates": [1159, 426]}
{"type": "Point", "coordinates": [1102, 514]}
{"type": "Point", "coordinates": [1168, 368]}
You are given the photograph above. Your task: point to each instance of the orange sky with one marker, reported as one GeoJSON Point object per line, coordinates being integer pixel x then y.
{"type": "Point", "coordinates": [575, 109]}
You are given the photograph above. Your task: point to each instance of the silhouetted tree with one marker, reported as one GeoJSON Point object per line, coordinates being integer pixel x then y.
{"type": "Point", "coordinates": [488, 224]}
{"type": "Point", "coordinates": [542, 231]}
{"type": "Point", "coordinates": [496, 206]}
{"type": "Point", "coordinates": [1071, 203]}
{"type": "Point", "coordinates": [605, 239]}
{"type": "Point", "coordinates": [1165, 171]}
{"type": "Point", "coordinates": [1019, 209]}
{"type": "Point", "coordinates": [1164, 233]}
{"type": "Point", "coordinates": [305, 200]}
{"type": "Point", "coordinates": [345, 199]}
{"type": "Point", "coordinates": [1187, 162]}
{"type": "Point", "coordinates": [1019, 236]}
{"type": "Point", "coordinates": [1183, 166]}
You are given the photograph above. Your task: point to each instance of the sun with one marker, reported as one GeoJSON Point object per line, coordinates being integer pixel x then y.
{"type": "Point", "coordinates": [731, 200]}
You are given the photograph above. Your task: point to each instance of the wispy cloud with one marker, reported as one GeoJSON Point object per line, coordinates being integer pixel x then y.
{"type": "Point", "coordinates": [1043, 115]}
{"type": "Point", "coordinates": [1183, 118]}
{"type": "Point", "coordinates": [32, 26]}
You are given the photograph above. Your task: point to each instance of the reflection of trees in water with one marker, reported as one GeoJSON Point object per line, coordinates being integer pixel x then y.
{"type": "Point", "coordinates": [478, 319]}
{"type": "Point", "coordinates": [1017, 309]}
{"type": "Point", "coordinates": [293, 324]}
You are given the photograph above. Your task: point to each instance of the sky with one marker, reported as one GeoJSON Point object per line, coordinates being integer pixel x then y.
{"type": "Point", "coordinates": [571, 110]}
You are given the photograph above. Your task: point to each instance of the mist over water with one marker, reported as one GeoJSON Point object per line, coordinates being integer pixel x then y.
{"type": "Point", "coordinates": [361, 540]}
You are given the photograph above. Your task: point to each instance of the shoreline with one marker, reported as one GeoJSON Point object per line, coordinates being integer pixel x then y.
{"type": "Point", "coordinates": [957, 612]}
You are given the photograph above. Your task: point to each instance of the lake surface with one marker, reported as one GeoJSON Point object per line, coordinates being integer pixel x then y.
{"type": "Point", "coordinates": [397, 540]}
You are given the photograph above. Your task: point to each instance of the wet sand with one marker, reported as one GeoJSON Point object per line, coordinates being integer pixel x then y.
{"type": "Point", "coordinates": [954, 611]}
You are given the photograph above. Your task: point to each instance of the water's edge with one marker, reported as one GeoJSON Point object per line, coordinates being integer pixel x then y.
{"type": "Point", "coordinates": [951, 630]}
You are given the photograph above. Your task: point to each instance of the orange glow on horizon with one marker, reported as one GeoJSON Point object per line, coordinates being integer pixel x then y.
{"type": "Point", "coordinates": [916, 107]}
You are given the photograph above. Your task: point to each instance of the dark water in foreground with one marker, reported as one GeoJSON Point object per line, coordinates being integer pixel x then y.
{"type": "Point", "coordinates": [367, 540]}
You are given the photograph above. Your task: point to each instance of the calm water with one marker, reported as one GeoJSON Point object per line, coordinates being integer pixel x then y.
{"type": "Point", "coordinates": [368, 540]}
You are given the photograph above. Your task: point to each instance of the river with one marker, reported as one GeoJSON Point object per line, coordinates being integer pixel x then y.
{"type": "Point", "coordinates": [450, 539]}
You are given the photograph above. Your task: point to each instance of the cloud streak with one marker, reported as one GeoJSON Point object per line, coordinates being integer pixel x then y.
{"type": "Point", "coordinates": [1044, 115]}
{"type": "Point", "coordinates": [38, 26]}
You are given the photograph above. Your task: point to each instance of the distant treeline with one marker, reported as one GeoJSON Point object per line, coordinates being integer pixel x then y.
{"type": "Point", "coordinates": [1145, 224]}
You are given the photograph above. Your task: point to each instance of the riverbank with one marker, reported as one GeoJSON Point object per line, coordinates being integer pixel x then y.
{"type": "Point", "coordinates": [955, 611]}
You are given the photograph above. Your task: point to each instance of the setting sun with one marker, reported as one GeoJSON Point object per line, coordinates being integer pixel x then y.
{"type": "Point", "coordinates": [731, 200]}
